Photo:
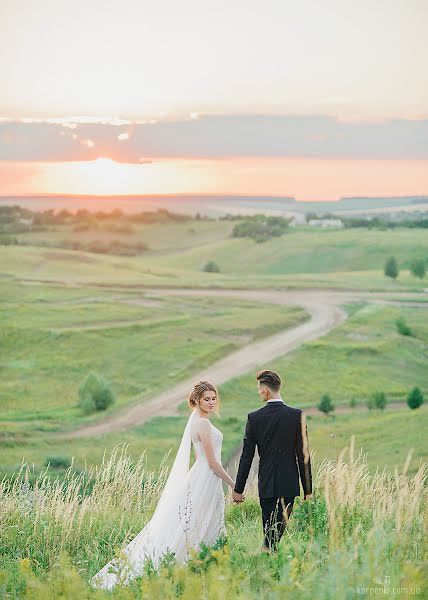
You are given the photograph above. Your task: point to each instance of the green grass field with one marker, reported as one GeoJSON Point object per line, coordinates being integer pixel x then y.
{"type": "Point", "coordinates": [350, 258]}
{"type": "Point", "coordinates": [364, 355]}
{"type": "Point", "coordinates": [300, 251]}
{"type": "Point", "coordinates": [189, 245]}
{"type": "Point", "coordinates": [93, 316]}
{"type": "Point", "coordinates": [141, 344]}
{"type": "Point", "coordinates": [64, 313]}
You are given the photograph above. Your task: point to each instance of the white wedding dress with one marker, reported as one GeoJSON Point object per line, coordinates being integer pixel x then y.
{"type": "Point", "coordinates": [190, 512]}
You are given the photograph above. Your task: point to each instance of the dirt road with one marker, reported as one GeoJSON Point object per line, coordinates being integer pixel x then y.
{"type": "Point", "coordinates": [325, 313]}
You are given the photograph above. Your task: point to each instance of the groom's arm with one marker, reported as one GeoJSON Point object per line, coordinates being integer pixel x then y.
{"type": "Point", "coordinates": [247, 456]}
{"type": "Point", "coordinates": [303, 456]}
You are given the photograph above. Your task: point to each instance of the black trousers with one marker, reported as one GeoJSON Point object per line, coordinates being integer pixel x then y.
{"type": "Point", "coordinates": [275, 513]}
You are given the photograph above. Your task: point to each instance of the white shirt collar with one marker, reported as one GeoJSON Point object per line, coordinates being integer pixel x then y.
{"type": "Point", "coordinates": [275, 400]}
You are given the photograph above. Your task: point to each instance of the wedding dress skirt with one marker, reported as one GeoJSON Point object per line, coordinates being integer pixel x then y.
{"type": "Point", "coordinates": [190, 515]}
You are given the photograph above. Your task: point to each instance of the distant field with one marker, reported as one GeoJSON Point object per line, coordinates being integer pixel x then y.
{"type": "Point", "coordinates": [210, 204]}
{"type": "Point", "coordinates": [350, 259]}
{"type": "Point", "coordinates": [163, 237]}
{"type": "Point", "coordinates": [188, 246]}
{"type": "Point", "coordinates": [301, 252]}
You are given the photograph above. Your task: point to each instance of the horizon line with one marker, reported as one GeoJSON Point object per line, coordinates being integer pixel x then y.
{"type": "Point", "coordinates": [291, 199]}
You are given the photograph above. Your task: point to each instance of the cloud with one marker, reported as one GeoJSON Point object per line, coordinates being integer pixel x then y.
{"type": "Point", "coordinates": [213, 136]}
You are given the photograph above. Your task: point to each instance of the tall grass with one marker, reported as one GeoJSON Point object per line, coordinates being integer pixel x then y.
{"type": "Point", "coordinates": [360, 531]}
{"type": "Point", "coordinates": [87, 514]}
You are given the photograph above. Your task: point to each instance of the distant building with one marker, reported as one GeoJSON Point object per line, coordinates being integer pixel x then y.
{"type": "Point", "coordinates": [325, 223]}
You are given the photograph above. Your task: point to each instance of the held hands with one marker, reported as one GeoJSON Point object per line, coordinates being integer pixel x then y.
{"type": "Point", "coordinates": [237, 498]}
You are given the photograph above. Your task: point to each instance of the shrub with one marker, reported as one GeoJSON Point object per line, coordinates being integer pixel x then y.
{"type": "Point", "coordinates": [211, 267]}
{"type": "Point", "coordinates": [402, 326]}
{"type": "Point", "coordinates": [8, 240]}
{"type": "Point", "coordinates": [326, 404]}
{"type": "Point", "coordinates": [415, 398]}
{"type": "Point", "coordinates": [417, 268]}
{"type": "Point", "coordinates": [58, 462]}
{"type": "Point", "coordinates": [377, 400]}
{"type": "Point", "coordinates": [95, 394]}
{"type": "Point", "coordinates": [261, 228]}
{"type": "Point", "coordinates": [391, 268]}
{"type": "Point", "coordinates": [353, 402]}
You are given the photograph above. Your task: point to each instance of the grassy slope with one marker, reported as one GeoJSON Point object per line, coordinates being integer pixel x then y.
{"type": "Point", "coordinates": [365, 354]}
{"type": "Point", "coordinates": [178, 253]}
{"type": "Point", "coordinates": [49, 345]}
{"type": "Point", "coordinates": [167, 338]}
{"type": "Point", "coordinates": [385, 437]}
{"type": "Point", "coordinates": [299, 252]}
{"type": "Point", "coordinates": [356, 366]}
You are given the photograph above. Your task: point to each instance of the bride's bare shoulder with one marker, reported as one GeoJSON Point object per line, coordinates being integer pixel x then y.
{"type": "Point", "coordinates": [201, 426]}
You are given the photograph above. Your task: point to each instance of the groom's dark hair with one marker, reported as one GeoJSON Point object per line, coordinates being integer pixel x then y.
{"type": "Point", "coordinates": [269, 378]}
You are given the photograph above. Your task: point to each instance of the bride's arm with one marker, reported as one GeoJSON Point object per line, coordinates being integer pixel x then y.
{"type": "Point", "coordinates": [204, 430]}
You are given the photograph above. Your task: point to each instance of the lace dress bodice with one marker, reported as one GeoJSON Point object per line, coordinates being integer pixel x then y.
{"type": "Point", "coordinates": [217, 439]}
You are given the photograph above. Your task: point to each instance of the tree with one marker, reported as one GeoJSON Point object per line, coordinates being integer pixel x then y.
{"type": "Point", "coordinates": [326, 404]}
{"type": "Point", "coordinates": [402, 326]}
{"type": "Point", "coordinates": [378, 400]}
{"type": "Point", "coordinates": [391, 268]}
{"type": "Point", "coordinates": [415, 398]}
{"type": "Point", "coordinates": [95, 394]}
{"type": "Point", "coordinates": [417, 268]}
{"type": "Point", "coordinates": [212, 267]}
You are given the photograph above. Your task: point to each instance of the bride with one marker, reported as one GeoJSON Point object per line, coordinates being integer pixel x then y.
{"type": "Point", "coordinates": [190, 510]}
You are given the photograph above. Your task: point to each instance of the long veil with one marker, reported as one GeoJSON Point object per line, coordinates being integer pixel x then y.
{"type": "Point", "coordinates": [179, 469]}
{"type": "Point", "coordinates": [154, 539]}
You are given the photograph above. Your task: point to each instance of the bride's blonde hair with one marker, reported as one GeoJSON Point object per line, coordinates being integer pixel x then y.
{"type": "Point", "coordinates": [198, 391]}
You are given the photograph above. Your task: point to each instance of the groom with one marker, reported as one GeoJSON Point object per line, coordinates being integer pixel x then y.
{"type": "Point", "coordinates": [280, 434]}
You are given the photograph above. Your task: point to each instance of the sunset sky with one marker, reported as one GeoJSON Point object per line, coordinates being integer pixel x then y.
{"type": "Point", "coordinates": [315, 100]}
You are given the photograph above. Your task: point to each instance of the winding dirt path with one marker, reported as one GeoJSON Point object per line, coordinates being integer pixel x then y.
{"type": "Point", "coordinates": [325, 313]}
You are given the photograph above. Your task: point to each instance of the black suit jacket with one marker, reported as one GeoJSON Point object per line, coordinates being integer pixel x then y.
{"type": "Point", "coordinates": [276, 430]}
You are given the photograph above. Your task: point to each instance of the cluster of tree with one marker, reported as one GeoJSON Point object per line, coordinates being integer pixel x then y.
{"type": "Point", "coordinates": [8, 214]}
{"type": "Point", "coordinates": [116, 247]}
{"type": "Point", "coordinates": [310, 216]}
{"type": "Point", "coordinates": [377, 400]}
{"type": "Point", "coordinates": [383, 223]}
{"type": "Point", "coordinates": [8, 240]}
{"type": "Point", "coordinates": [417, 267]}
{"type": "Point", "coordinates": [260, 227]}
{"type": "Point", "coordinates": [15, 219]}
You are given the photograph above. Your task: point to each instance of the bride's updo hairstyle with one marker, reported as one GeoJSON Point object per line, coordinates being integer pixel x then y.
{"type": "Point", "coordinates": [198, 391]}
